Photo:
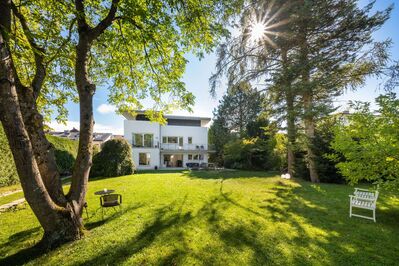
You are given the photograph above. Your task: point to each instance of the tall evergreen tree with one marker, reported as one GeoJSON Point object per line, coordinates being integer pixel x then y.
{"type": "Point", "coordinates": [237, 110]}
{"type": "Point", "coordinates": [334, 52]}
{"type": "Point", "coordinates": [308, 52]}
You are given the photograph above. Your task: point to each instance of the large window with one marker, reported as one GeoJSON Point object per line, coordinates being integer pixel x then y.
{"type": "Point", "coordinates": [173, 140]}
{"type": "Point", "coordinates": [144, 158]}
{"type": "Point", "coordinates": [143, 140]}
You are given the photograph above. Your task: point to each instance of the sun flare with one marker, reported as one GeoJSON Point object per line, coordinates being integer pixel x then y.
{"type": "Point", "coordinates": [258, 31]}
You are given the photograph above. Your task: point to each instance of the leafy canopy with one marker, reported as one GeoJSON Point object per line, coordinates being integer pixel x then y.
{"type": "Point", "coordinates": [369, 142]}
{"type": "Point", "coordinates": [141, 56]}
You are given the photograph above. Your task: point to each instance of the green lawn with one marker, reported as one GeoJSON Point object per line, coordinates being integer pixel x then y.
{"type": "Point", "coordinates": [216, 218]}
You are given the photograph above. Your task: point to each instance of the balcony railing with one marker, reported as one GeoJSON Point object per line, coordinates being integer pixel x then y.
{"type": "Point", "coordinates": [187, 147]}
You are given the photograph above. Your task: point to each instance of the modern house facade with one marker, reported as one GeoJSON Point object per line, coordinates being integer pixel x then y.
{"type": "Point", "coordinates": [181, 141]}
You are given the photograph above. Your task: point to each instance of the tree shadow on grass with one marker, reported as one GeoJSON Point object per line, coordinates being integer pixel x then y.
{"type": "Point", "coordinates": [320, 218]}
{"type": "Point", "coordinates": [25, 255]}
{"type": "Point", "coordinates": [228, 174]}
{"type": "Point", "coordinates": [108, 218]}
{"type": "Point", "coordinates": [163, 219]}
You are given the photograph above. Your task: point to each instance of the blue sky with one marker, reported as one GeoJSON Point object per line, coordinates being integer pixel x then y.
{"type": "Point", "coordinates": [198, 72]}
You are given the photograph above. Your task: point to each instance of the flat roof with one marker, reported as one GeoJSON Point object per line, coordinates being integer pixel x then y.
{"type": "Point", "coordinates": [128, 116]}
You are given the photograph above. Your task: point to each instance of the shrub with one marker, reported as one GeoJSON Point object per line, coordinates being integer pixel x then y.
{"type": "Point", "coordinates": [65, 151]}
{"type": "Point", "coordinates": [8, 172]}
{"type": "Point", "coordinates": [115, 159]}
{"type": "Point", "coordinates": [252, 153]}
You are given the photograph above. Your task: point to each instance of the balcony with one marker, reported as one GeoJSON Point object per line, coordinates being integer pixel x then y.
{"type": "Point", "coordinates": [184, 147]}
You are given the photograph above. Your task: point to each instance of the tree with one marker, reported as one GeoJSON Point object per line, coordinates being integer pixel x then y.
{"type": "Point", "coordinates": [238, 109]}
{"type": "Point", "coordinates": [51, 51]}
{"type": "Point", "coordinates": [308, 52]}
{"type": "Point", "coordinates": [332, 37]}
{"type": "Point", "coordinates": [263, 51]}
{"type": "Point", "coordinates": [369, 142]}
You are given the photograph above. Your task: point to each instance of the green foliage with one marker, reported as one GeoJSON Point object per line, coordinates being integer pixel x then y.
{"type": "Point", "coordinates": [8, 172]}
{"type": "Point", "coordinates": [236, 117]}
{"type": "Point", "coordinates": [326, 168]}
{"type": "Point", "coordinates": [65, 154]}
{"type": "Point", "coordinates": [65, 151]}
{"type": "Point", "coordinates": [369, 142]}
{"type": "Point", "coordinates": [114, 159]}
{"type": "Point", "coordinates": [252, 153]}
{"type": "Point", "coordinates": [141, 55]}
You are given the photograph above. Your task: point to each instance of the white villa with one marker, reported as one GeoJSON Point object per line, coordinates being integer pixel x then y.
{"type": "Point", "coordinates": [182, 142]}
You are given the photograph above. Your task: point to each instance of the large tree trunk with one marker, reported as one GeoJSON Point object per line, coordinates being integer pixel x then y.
{"type": "Point", "coordinates": [291, 128]}
{"type": "Point", "coordinates": [86, 91]}
{"type": "Point", "coordinates": [307, 99]}
{"type": "Point", "coordinates": [59, 222]}
{"type": "Point", "coordinates": [42, 148]}
{"type": "Point", "coordinates": [310, 135]}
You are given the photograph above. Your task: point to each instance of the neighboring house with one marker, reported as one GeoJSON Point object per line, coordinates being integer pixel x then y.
{"type": "Point", "coordinates": [73, 134]}
{"type": "Point", "coordinates": [182, 140]}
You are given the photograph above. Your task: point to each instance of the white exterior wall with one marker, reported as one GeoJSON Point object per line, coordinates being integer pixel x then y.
{"type": "Point", "coordinates": [144, 127]}
{"type": "Point", "coordinates": [199, 134]}
{"type": "Point", "coordinates": [199, 137]}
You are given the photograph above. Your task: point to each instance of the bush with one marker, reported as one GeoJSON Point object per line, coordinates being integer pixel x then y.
{"type": "Point", "coordinates": [115, 159]}
{"type": "Point", "coordinates": [65, 151]}
{"type": "Point", "coordinates": [252, 153]}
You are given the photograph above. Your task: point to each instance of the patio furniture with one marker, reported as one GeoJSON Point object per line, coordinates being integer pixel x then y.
{"type": "Point", "coordinates": [110, 201]}
{"type": "Point", "coordinates": [85, 205]}
{"type": "Point", "coordinates": [363, 199]}
{"type": "Point", "coordinates": [104, 192]}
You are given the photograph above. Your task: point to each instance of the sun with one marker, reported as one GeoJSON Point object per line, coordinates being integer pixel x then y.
{"type": "Point", "coordinates": [257, 31]}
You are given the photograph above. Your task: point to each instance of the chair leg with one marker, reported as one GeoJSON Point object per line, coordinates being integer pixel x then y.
{"type": "Point", "coordinates": [350, 210]}
{"type": "Point", "coordinates": [102, 213]}
{"type": "Point", "coordinates": [87, 213]}
{"type": "Point", "coordinates": [374, 215]}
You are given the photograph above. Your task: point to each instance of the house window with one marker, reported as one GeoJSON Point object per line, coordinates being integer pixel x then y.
{"type": "Point", "coordinates": [190, 157]}
{"type": "Point", "coordinates": [196, 156]}
{"type": "Point", "coordinates": [143, 140]}
{"type": "Point", "coordinates": [148, 140]}
{"type": "Point", "coordinates": [172, 139]}
{"type": "Point", "coordinates": [144, 158]}
{"type": "Point", "coordinates": [138, 140]}
{"type": "Point", "coordinates": [201, 157]}
{"type": "Point", "coordinates": [190, 140]}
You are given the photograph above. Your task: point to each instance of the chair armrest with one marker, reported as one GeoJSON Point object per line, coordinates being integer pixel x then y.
{"type": "Point", "coordinates": [362, 189]}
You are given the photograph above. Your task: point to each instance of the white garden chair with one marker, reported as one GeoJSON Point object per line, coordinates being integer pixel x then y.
{"type": "Point", "coordinates": [363, 199]}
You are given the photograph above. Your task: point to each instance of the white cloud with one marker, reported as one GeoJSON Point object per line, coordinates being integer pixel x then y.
{"type": "Point", "coordinates": [99, 128]}
{"type": "Point", "coordinates": [106, 108]}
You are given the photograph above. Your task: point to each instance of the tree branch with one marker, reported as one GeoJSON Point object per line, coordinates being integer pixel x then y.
{"type": "Point", "coordinates": [65, 42]}
{"type": "Point", "coordinates": [107, 21]}
{"type": "Point", "coordinates": [38, 52]}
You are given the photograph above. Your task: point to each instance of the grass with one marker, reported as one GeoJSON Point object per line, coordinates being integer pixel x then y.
{"type": "Point", "coordinates": [215, 218]}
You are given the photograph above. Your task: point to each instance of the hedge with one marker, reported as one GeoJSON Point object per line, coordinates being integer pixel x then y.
{"type": "Point", "coordinates": [65, 154]}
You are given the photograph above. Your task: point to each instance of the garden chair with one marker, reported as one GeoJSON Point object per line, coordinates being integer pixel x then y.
{"type": "Point", "coordinates": [363, 199]}
{"type": "Point", "coordinates": [110, 201]}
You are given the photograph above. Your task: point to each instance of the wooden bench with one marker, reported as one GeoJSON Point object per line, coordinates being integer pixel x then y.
{"type": "Point", "coordinates": [363, 199]}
